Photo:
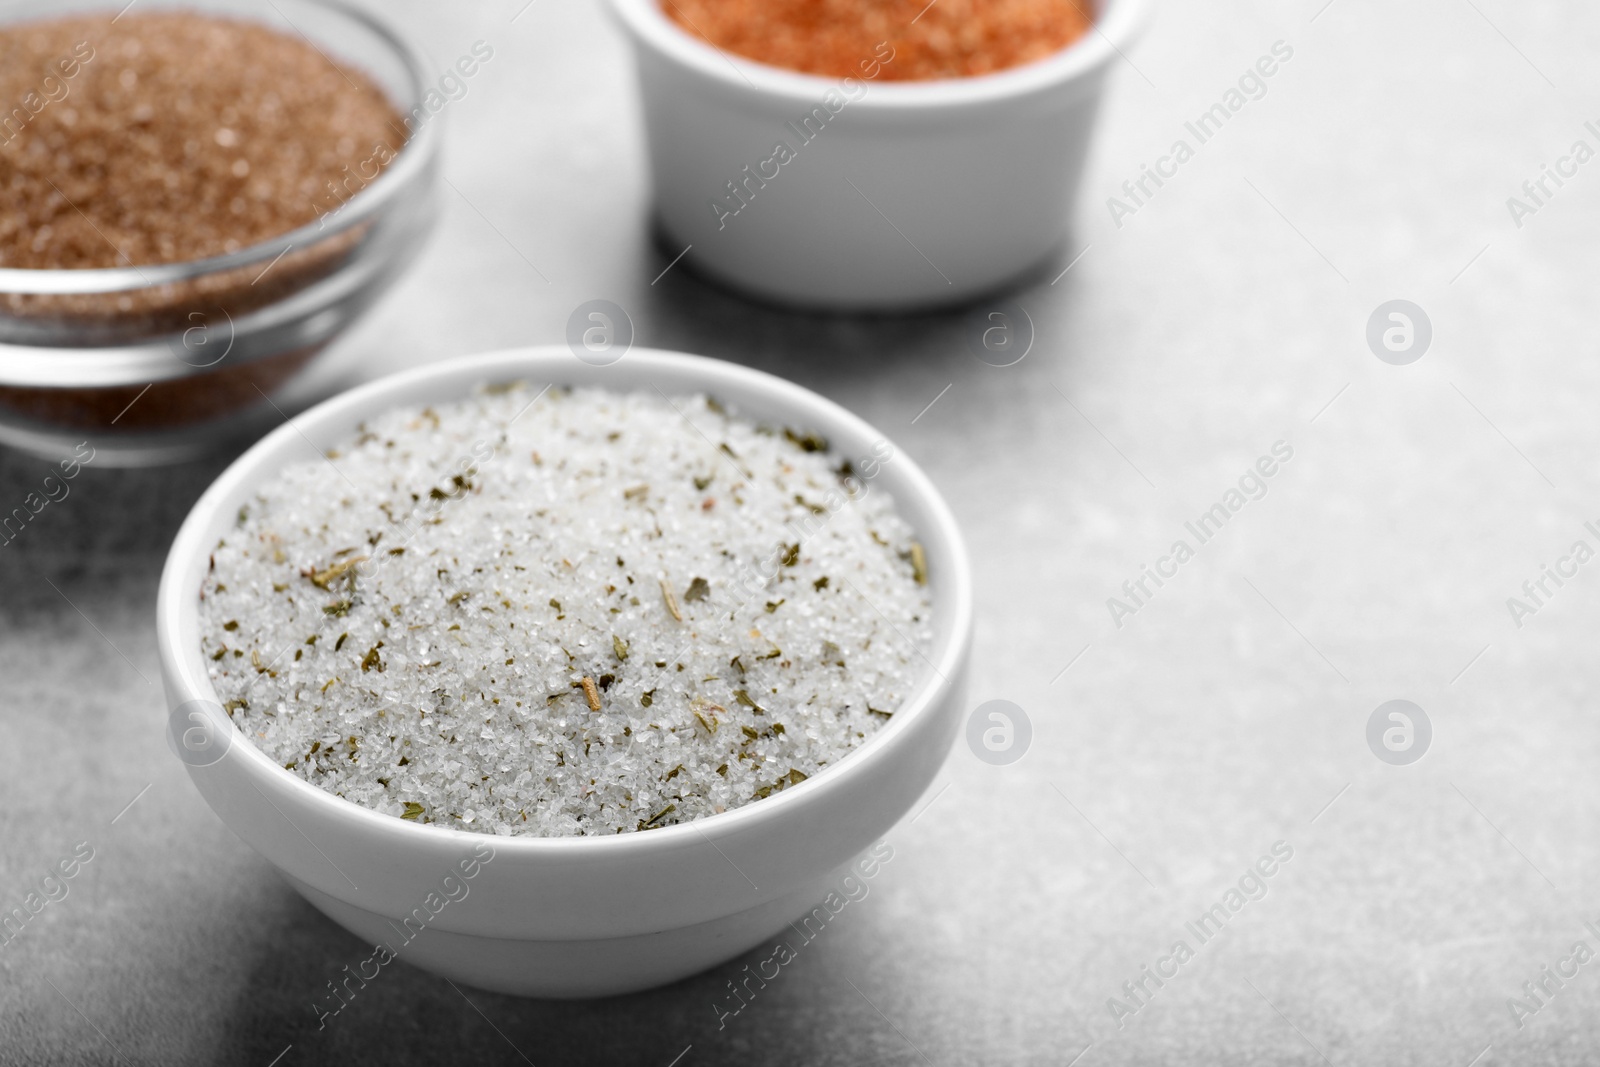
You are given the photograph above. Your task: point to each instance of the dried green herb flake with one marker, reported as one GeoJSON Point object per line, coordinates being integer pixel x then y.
{"type": "Point", "coordinates": [806, 442]}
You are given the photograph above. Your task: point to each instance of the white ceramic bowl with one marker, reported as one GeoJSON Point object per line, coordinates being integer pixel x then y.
{"type": "Point", "coordinates": [906, 194]}
{"type": "Point", "coordinates": [568, 917]}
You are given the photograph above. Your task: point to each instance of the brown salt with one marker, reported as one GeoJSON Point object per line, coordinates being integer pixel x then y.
{"type": "Point", "coordinates": [161, 137]}
{"type": "Point", "coordinates": [164, 137]}
{"type": "Point", "coordinates": [842, 38]}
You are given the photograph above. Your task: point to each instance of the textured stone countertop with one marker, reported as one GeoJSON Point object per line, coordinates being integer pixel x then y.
{"type": "Point", "coordinates": [1227, 712]}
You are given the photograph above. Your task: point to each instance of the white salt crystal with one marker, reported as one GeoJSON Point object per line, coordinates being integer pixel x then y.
{"type": "Point", "coordinates": [473, 573]}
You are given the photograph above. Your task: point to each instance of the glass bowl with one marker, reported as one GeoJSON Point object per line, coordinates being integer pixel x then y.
{"type": "Point", "coordinates": [158, 363]}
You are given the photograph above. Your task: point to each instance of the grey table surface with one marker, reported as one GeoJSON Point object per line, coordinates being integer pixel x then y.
{"type": "Point", "coordinates": [1229, 712]}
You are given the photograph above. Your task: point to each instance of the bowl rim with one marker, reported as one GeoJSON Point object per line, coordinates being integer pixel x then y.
{"type": "Point", "coordinates": [185, 678]}
{"type": "Point", "coordinates": [1116, 25]}
{"type": "Point", "coordinates": [413, 157]}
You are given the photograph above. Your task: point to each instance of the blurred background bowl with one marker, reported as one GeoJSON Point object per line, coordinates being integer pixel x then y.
{"type": "Point", "coordinates": [158, 363]}
{"type": "Point", "coordinates": [900, 195]}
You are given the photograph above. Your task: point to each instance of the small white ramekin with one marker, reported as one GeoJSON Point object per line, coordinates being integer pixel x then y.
{"type": "Point", "coordinates": [586, 916]}
{"type": "Point", "coordinates": [910, 193]}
